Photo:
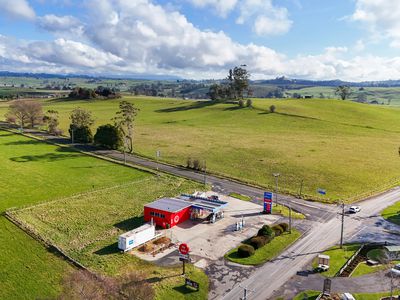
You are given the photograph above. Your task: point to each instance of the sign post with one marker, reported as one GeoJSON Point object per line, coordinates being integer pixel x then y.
{"type": "Point", "coordinates": [184, 255]}
{"type": "Point", "coordinates": [268, 202]}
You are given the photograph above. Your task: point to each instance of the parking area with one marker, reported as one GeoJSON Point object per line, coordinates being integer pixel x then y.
{"type": "Point", "coordinates": [211, 241]}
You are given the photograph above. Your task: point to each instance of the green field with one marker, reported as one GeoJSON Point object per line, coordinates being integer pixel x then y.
{"type": "Point", "coordinates": [266, 252]}
{"type": "Point", "coordinates": [339, 146]}
{"type": "Point", "coordinates": [338, 257]}
{"type": "Point", "coordinates": [383, 95]}
{"type": "Point", "coordinates": [38, 173]}
{"type": "Point", "coordinates": [314, 294]}
{"type": "Point", "coordinates": [392, 213]}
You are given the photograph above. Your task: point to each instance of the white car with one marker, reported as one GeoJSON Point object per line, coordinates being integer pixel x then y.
{"type": "Point", "coordinates": [347, 296]}
{"type": "Point", "coordinates": [396, 270]}
{"type": "Point", "coordinates": [354, 209]}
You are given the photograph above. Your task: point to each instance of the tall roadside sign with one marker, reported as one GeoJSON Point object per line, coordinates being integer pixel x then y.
{"type": "Point", "coordinates": [268, 202]}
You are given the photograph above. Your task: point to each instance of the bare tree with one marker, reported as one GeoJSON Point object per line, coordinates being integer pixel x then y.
{"type": "Point", "coordinates": [25, 112]}
{"type": "Point", "coordinates": [125, 121]}
{"type": "Point", "coordinates": [81, 118]}
{"type": "Point", "coordinates": [51, 119]}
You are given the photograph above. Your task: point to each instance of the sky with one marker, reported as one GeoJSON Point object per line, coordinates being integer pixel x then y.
{"type": "Point", "coordinates": [353, 40]}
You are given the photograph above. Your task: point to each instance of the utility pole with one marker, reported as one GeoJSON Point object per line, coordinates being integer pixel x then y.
{"type": "Point", "coordinates": [72, 135]}
{"type": "Point", "coordinates": [342, 227]}
{"type": "Point", "coordinates": [276, 175]}
{"type": "Point", "coordinates": [245, 292]}
{"type": "Point", "coordinates": [290, 219]}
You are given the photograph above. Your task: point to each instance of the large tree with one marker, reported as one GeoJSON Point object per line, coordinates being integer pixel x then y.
{"type": "Point", "coordinates": [124, 120]}
{"type": "Point", "coordinates": [343, 91]}
{"type": "Point", "coordinates": [109, 136]}
{"type": "Point", "coordinates": [235, 86]}
{"type": "Point", "coordinates": [79, 129]}
{"type": "Point", "coordinates": [25, 112]}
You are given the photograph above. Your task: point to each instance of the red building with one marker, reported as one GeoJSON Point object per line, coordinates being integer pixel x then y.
{"type": "Point", "coordinates": [166, 212]}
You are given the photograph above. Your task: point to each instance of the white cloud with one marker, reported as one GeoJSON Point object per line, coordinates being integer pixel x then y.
{"type": "Point", "coordinates": [60, 24]}
{"type": "Point", "coordinates": [223, 7]}
{"type": "Point", "coordinates": [267, 18]}
{"type": "Point", "coordinates": [128, 37]}
{"type": "Point", "coordinates": [17, 9]}
{"type": "Point", "coordinates": [381, 18]}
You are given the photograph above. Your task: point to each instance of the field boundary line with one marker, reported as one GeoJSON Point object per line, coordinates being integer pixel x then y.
{"type": "Point", "coordinates": [50, 246]}
{"type": "Point", "coordinates": [78, 195]}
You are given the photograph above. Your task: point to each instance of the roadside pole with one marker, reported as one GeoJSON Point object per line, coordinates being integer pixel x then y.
{"type": "Point", "coordinates": [342, 227]}
{"type": "Point", "coordinates": [301, 188]}
{"type": "Point", "coordinates": [72, 135]}
{"type": "Point", "coordinates": [205, 173]}
{"type": "Point", "coordinates": [276, 175]}
{"type": "Point", "coordinates": [245, 292]}
{"type": "Point", "coordinates": [290, 219]}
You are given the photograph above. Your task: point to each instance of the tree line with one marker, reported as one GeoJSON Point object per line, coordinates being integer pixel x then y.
{"type": "Point", "coordinates": [115, 135]}
{"type": "Point", "coordinates": [99, 92]}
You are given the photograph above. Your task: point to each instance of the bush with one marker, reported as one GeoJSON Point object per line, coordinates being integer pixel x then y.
{"type": "Point", "coordinates": [81, 134]}
{"type": "Point", "coordinates": [285, 226]}
{"type": "Point", "coordinates": [189, 163]}
{"type": "Point", "coordinates": [258, 241]}
{"type": "Point", "coordinates": [272, 109]}
{"type": "Point", "coordinates": [266, 231]}
{"type": "Point", "coordinates": [241, 103]}
{"type": "Point", "coordinates": [108, 136]}
{"type": "Point", "coordinates": [245, 251]}
{"type": "Point", "coordinates": [278, 230]}
{"type": "Point", "coordinates": [249, 103]}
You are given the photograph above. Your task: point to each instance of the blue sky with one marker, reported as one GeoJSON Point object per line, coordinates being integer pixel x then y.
{"type": "Point", "coordinates": [344, 39]}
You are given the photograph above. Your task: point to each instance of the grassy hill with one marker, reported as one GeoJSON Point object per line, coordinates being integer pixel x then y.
{"type": "Point", "coordinates": [349, 149]}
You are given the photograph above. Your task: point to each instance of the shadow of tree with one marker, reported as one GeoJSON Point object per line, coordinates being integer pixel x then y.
{"type": "Point", "coordinates": [130, 224]}
{"type": "Point", "coordinates": [64, 153]}
{"type": "Point", "coordinates": [196, 105]}
{"type": "Point", "coordinates": [26, 142]}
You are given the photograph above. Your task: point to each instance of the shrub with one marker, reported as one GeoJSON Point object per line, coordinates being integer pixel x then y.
{"type": "Point", "coordinates": [196, 164]}
{"type": "Point", "coordinates": [81, 134]}
{"type": "Point", "coordinates": [249, 103]}
{"type": "Point", "coordinates": [108, 136]}
{"type": "Point", "coordinates": [272, 109]}
{"type": "Point", "coordinates": [241, 103]}
{"type": "Point", "coordinates": [266, 231]}
{"type": "Point", "coordinates": [285, 226]}
{"type": "Point", "coordinates": [277, 229]}
{"type": "Point", "coordinates": [258, 241]}
{"type": "Point", "coordinates": [189, 163]}
{"type": "Point", "coordinates": [245, 251]}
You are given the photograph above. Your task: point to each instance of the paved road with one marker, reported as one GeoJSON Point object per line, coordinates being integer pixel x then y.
{"type": "Point", "coordinates": [274, 274]}
{"type": "Point", "coordinates": [313, 210]}
{"type": "Point", "coordinates": [323, 232]}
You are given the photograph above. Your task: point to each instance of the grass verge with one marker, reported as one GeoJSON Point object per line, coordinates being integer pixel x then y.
{"type": "Point", "coordinates": [338, 257]}
{"type": "Point", "coordinates": [392, 213]}
{"type": "Point", "coordinates": [267, 252]}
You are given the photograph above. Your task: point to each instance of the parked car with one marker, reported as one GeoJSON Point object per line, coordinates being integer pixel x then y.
{"type": "Point", "coordinates": [354, 209]}
{"type": "Point", "coordinates": [322, 268]}
{"type": "Point", "coordinates": [347, 296]}
{"type": "Point", "coordinates": [396, 270]}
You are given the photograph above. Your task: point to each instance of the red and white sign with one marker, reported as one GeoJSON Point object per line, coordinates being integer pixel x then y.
{"type": "Point", "coordinates": [176, 219]}
{"type": "Point", "coordinates": [184, 249]}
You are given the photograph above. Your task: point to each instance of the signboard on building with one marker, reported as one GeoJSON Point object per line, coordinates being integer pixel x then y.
{"type": "Point", "coordinates": [268, 202]}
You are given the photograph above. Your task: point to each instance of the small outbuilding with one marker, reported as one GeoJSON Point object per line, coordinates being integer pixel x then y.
{"type": "Point", "coordinates": [167, 212]}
